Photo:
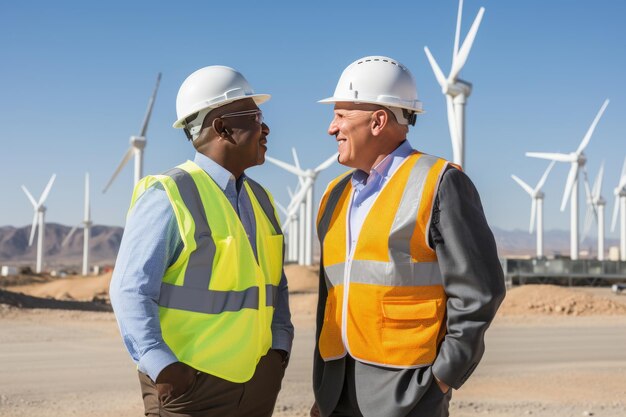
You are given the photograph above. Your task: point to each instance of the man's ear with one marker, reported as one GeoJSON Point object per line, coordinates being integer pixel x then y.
{"type": "Point", "coordinates": [220, 128]}
{"type": "Point", "coordinates": [380, 118]}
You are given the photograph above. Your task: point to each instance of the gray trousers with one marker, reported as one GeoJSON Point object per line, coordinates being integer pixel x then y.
{"type": "Point", "coordinates": [433, 403]}
{"type": "Point", "coordinates": [210, 396]}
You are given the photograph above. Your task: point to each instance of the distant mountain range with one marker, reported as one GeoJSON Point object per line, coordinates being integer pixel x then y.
{"type": "Point", "coordinates": [105, 242]}
{"type": "Point", "coordinates": [103, 246]}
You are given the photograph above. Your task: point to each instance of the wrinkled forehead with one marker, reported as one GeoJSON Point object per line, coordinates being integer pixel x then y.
{"type": "Point", "coordinates": [349, 106]}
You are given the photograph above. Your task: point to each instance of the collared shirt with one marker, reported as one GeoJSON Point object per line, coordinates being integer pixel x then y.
{"type": "Point", "coordinates": [151, 243]}
{"type": "Point", "coordinates": [368, 186]}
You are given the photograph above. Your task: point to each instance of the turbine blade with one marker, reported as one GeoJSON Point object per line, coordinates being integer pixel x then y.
{"type": "Point", "coordinates": [588, 193]}
{"type": "Point", "coordinates": [326, 163]}
{"type": "Point", "coordinates": [127, 156]}
{"type": "Point", "coordinates": [46, 191]}
{"type": "Point", "coordinates": [461, 57]}
{"type": "Point", "coordinates": [32, 229]}
{"type": "Point", "coordinates": [299, 197]}
{"type": "Point", "coordinates": [290, 192]}
{"type": "Point", "coordinates": [571, 178]}
{"type": "Point", "coordinates": [533, 214]}
{"type": "Point", "coordinates": [587, 136]}
{"type": "Point", "coordinates": [597, 184]}
{"type": "Point", "coordinates": [441, 79]}
{"type": "Point", "coordinates": [457, 34]}
{"type": "Point", "coordinates": [286, 166]}
{"type": "Point", "coordinates": [146, 120]}
{"type": "Point", "coordinates": [30, 197]}
{"type": "Point", "coordinates": [522, 184]}
{"type": "Point", "coordinates": [559, 157]}
{"type": "Point", "coordinates": [69, 236]}
{"type": "Point", "coordinates": [281, 207]}
{"type": "Point", "coordinates": [622, 178]}
{"type": "Point", "coordinates": [545, 176]}
{"type": "Point", "coordinates": [615, 211]}
{"type": "Point", "coordinates": [296, 160]}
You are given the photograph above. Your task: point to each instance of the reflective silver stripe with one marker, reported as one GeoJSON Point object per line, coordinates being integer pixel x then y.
{"type": "Point", "coordinates": [271, 295]}
{"type": "Point", "coordinates": [405, 219]}
{"type": "Point", "coordinates": [334, 274]}
{"type": "Point", "coordinates": [207, 301]}
{"type": "Point", "coordinates": [200, 264]}
{"type": "Point", "coordinates": [395, 274]}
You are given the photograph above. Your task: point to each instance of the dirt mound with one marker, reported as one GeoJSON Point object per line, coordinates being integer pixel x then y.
{"type": "Point", "coordinates": [302, 279]}
{"type": "Point", "coordinates": [557, 301]}
{"type": "Point", "coordinates": [77, 288]}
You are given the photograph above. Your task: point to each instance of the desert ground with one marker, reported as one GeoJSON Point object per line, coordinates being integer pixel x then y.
{"type": "Point", "coordinates": [551, 351]}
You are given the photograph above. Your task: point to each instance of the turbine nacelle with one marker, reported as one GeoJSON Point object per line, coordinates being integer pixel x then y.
{"type": "Point", "coordinates": [457, 89]}
{"type": "Point", "coordinates": [138, 142]}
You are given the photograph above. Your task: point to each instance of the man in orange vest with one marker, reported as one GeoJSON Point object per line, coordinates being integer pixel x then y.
{"type": "Point", "coordinates": [409, 276]}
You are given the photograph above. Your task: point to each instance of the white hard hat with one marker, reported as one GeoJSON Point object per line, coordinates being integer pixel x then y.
{"type": "Point", "coordinates": [379, 80]}
{"type": "Point", "coordinates": [209, 88]}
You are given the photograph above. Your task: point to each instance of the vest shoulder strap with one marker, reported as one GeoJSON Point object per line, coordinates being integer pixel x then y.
{"type": "Point", "coordinates": [332, 198]}
{"type": "Point", "coordinates": [267, 203]}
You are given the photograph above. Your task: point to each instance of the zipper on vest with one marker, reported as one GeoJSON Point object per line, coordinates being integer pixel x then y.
{"type": "Point", "coordinates": [346, 278]}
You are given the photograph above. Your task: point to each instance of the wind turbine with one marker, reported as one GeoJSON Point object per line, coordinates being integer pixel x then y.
{"type": "Point", "coordinates": [536, 208]}
{"type": "Point", "coordinates": [577, 160]}
{"type": "Point", "coordinates": [86, 228]}
{"type": "Point", "coordinates": [38, 220]}
{"type": "Point", "coordinates": [137, 143]}
{"type": "Point", "coordinates": [305, 194]}
{"type": "Point", "coordinates": [620, 205]}
{"type": "Point", "coordinates": [456, 90]}
{"type": "Point", "coordinates": [288, 229]}
{"type": "Point", "coordinates": [595, 207]}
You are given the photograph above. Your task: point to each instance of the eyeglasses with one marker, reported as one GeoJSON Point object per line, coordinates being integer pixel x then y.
{"type": "Point", "coordinates": [256, 112]}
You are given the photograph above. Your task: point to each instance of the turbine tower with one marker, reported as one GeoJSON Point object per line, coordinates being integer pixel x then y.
{"type": "Point", "coordinates": [536, 208]}
{"type": "Point", "coordinates": [577, 160]}
{"type": "Point", "coordinates": [39, 221]}
{"type": "Point", "coordinates": [86, 229]}
{"type": "Point", "coordinates": [595, 208]}
{"type": "Point", "coordinates": [305, 194]}
{"type": "Point", "coordinates": [620, 206]}
{"type": "Point", "coordinates": [137, 143]}
{"type": "Point", "coordinates": [456, 90]}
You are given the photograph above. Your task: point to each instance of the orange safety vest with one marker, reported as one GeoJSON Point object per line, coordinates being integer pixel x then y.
{"type": "Point", "coordinates": [386, 304]}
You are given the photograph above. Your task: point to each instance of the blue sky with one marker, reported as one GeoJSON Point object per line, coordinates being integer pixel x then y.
{"type": "Point", "coordinates": [75, 78]}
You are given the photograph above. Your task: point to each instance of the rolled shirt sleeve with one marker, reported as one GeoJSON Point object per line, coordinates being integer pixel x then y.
{"type": "Point", "coordinates": [472, 276]}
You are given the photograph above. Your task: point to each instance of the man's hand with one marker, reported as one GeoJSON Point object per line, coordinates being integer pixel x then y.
{"type": "Point", "coordinates": [174, 380]}
{"type": "Point", "coordinates": [442, 385]}
{"type": "Point", "coordinates": [315, 412]}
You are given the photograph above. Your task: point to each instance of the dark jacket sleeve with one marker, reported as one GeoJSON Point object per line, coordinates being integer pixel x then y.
{"type": "Point", "coordinates": [472, 275]}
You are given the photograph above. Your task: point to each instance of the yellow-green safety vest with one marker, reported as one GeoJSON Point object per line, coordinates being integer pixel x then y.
{"type": "Point", "coordinates": [216, 301]}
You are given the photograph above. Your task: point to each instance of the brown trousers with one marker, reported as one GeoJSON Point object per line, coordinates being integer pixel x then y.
{"type": "Point", "coordinates": [210, 396]}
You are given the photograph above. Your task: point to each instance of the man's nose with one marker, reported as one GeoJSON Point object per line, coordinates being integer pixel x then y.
{"type": "Point", "coordinates": [265, 129]}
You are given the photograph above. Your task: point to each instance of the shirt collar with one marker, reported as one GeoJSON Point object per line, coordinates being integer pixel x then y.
{"type": "Point", "coordinates": [218, 173]}
{"type": "Point", "coordinates": [381, 169]}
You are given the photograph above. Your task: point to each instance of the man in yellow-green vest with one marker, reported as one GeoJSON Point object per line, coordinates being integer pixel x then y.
{"type": "Point", "coordinates": [198, 289]}
{"type": "Point", "coordinates": [409, 277]}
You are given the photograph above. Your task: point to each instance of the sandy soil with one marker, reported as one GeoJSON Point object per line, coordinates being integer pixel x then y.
{"type": "Point", "coordinates": [539, 361]}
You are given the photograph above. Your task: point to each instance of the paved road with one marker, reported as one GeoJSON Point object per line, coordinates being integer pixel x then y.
{"type": "Point", "coordinates": [63, 363]}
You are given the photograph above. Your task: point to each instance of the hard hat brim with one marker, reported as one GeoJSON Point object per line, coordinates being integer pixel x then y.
{"type": "Point", "coordinates": [258, 99]}
{"type": "Point", "coordinates": [331, 100]}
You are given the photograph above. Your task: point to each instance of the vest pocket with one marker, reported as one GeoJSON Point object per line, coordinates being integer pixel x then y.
{"type": "Point", "coordinates": [274, 255]}
{"type": "Point", "coordinates": [409, 331]}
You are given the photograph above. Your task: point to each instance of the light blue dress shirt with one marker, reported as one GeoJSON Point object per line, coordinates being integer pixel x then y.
{"type": "Point", "coordinates": [151, 243]}
{"type": "Point", "coordinates": [368, 186]}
